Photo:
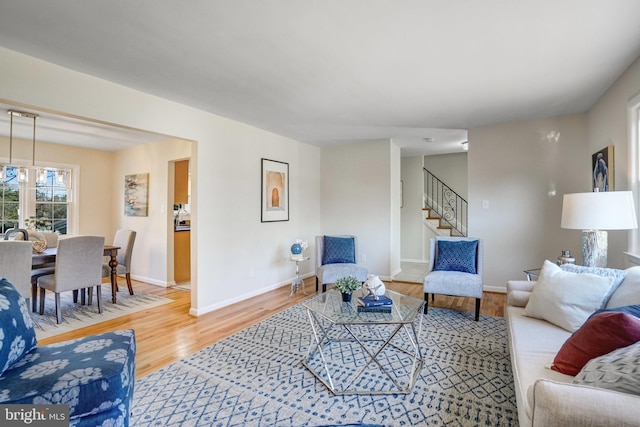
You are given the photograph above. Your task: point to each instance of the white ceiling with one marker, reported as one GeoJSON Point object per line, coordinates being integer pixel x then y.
{"type": "Point", "coordinates": [324, 72]}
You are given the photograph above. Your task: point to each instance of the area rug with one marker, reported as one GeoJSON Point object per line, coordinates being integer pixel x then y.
{"type": "Point", "coordinates": [75, 315]}
{"type": "Point", "coordinates": [256, 378]}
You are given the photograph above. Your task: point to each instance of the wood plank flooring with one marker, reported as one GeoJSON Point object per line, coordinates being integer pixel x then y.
{"type": "Point", "coordinates": [168, 333]}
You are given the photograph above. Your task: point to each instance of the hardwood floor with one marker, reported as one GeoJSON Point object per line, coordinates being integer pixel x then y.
{"type": "Point", "coordinates": [168, 333]}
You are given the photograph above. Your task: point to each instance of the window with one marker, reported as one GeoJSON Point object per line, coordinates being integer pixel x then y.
{"type": "Point", "coordinates": [44, 206]}
{"type": "Point", "coordinates": [633, 118]}
{"type": "Point", "coordinates": [10, 193]}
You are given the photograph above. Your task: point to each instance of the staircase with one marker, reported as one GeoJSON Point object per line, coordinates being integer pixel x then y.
{"type": "Point", "coordinates": [445, 211]}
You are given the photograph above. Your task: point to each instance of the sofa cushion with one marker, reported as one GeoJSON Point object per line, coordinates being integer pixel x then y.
{"type": "Point", "coordinates": [618, 275]}
{"type": "Point", "coordinates": [618, 370]}
{"type": "Point", "coordinates": [457, 256]}
{"type": "Point", "coordinates": [94, 375]}
{"type": "Point", "coordinates": [601, 334]}
{"type": "Point", "coordinates": [566, 299]}
{"type": "Point", "coordinates": [629, 290]}
{"type": "Point", "coordinates": [338, 250]}
{"type": "Point", "coordinates": [17, 336]}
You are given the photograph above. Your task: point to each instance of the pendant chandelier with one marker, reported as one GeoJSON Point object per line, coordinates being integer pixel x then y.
{"type": "Point", "coordinates": [22, 172]}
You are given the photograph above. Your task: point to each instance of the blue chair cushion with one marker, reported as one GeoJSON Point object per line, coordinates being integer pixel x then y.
{"type": "Point", "coordinates": [339, 250]}
{"type": "Point", "coordinates": [457, 256]}
{"type": "Point", "coordinates": [17, 336]}
{"type": "Point", "coordinates": [94, 375]}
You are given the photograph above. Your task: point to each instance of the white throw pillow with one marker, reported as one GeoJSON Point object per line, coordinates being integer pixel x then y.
{"type": "Point", "coordinates": [566, 299]}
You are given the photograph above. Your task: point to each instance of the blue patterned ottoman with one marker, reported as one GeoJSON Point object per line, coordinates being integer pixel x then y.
{"type": "Point", "coordinates": [94, 375]}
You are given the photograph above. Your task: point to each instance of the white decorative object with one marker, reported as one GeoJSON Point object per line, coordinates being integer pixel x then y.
{"type": "Point", "coordinates": [39, 246]}
{"type": "Point", "coordinates": [374, 286]}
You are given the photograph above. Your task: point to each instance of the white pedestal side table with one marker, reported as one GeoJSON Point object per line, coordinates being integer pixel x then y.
{"type": "Point", "coordinates": [295, 285]}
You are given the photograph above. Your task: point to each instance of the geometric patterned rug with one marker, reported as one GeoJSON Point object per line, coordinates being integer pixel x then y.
{"type": "Point", "coordinates": [75, 315]}
{"type": "Point", "coordinates": [255, 378]}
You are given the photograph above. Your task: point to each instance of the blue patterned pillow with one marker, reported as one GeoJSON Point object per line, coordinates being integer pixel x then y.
{"type": "Point", "coordinates": [339, 250]}
{"type": "Point", "coordinates": [457, 256]}
{"type": "Point", "coordinates": [17, 336]}
{"type": "Point", "coordinates": [633, 310]}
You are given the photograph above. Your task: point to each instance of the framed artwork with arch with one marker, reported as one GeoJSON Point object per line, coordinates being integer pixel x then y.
{"type": "Point", "coordinates": [274, 191]}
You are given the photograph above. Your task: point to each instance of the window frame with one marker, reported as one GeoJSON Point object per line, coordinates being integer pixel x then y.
{"type": "Point", "coordinates": [633, 140]}
{"type": "Point", "coordinates": [27, 196]}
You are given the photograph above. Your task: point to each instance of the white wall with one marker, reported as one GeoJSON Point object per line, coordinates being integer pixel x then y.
{"type": "Point", "coordinates": [152, 259]}
{"type": "Point", "coordinates": [608, 125]}
{"type": "Point", "coordinates": [411, 212]}
{"type": "Point", "coordinates": [234, 255]}
{"type": "Point", "coordinates": [395, 200]}
{"type": "Point", "coordinates": [356, 193]}
{"type": "Point", "coordinates": [522, 169]}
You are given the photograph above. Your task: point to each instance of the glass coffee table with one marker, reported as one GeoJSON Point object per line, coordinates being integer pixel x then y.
{"type": "Point", "coordinates": [364, 352]}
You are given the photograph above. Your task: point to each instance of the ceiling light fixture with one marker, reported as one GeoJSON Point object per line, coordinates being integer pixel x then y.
{"type": "Point", "coordinates": [23, 175]}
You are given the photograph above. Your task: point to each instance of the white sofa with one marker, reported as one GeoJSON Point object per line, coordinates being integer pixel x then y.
{"type": "Point", "coordinates": [546, 397]}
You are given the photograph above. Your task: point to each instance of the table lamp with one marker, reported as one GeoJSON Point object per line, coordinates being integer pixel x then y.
{"type": "Point", "coordinates": [594, 213]}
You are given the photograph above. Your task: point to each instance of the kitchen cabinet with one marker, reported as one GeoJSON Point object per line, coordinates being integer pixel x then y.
{"type": "Point", "coordinates": [182, 256]}
{"type": "Point", "coordinates": [181, 183]}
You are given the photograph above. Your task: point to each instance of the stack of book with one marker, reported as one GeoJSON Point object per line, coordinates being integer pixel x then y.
{"type": "Point", "coordinates": [370, 304]}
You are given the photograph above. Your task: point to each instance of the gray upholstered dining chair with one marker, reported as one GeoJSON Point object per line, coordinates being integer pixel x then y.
{"type": "Point", "coordinates": [124, 239]}
{"type": "Point", "coordinates": [50, 237]}
{"type": "Point", "coordinates": [78, 266]}
{"type": "Point", "coordinates": [15, 265]}
{"type": "Point", "coordinates": [455, 268]}
{"type": "Point", "coordinates": [336, 257]}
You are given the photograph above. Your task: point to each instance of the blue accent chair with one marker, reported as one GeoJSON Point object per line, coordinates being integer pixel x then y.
{"type": "Point", "coordinates": [94, 375]}
{"type": "Point", "coordinates": [456, 272]}
{"type": "Point", "coordinates": [336, 257]}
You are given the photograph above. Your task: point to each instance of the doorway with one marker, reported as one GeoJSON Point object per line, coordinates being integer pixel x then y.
{"type": "Point", "coordinates": [181, 223]}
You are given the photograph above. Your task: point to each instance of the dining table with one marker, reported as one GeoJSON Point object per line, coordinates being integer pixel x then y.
{"type": "Point", "coordinates": [48, 255]}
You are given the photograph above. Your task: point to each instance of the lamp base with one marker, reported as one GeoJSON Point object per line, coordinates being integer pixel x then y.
{"type": "Point", "coordinates": [594, 248]}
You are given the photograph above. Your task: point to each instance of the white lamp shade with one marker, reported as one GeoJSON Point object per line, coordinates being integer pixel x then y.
{"type": "Point", "coordinates": [609, 210]}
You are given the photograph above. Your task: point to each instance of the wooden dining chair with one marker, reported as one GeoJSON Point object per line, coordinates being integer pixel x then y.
{"type": "Point", "coordinates": [15, 265]}
{"type": "Point", "coordinates": [124, 239]}
{"type": "Point", "coordinates": [78, 266]}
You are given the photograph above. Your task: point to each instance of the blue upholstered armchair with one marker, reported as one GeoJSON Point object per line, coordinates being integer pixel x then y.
{"type": "Point", "coordinates": [94, 375]}
{"type": "Point", "coordinates": [455, 269]}
{"type": "Point", "coordinates": [336, 257]}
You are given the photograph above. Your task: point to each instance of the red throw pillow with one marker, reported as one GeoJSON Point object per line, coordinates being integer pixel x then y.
{"type": "Point", "coordinates": [601, 334]}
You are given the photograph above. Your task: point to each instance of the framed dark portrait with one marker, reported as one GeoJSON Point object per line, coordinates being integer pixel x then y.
{"type": "Point", "coordinates": [602, 171]}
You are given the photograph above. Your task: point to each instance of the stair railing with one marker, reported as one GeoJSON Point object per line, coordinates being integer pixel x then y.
{"type": "Point", "coordinates": [446, 203]}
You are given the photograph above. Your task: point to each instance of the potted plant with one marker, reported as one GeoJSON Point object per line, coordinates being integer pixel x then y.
{"type": "Point", "coordinates": [347, 285]}
{"type": "Point", "coordinates": [38, 224]}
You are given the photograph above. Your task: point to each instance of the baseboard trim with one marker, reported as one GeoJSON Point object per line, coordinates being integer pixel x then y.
{"type": "Point", "coordinates": [420, 261]}
{"type": "Point", "coordinates": [199, 312]}
{"type": "Point", "coordinates": [496, 289]}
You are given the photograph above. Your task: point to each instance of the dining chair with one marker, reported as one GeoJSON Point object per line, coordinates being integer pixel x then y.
{"type": "Point", "coordinates": [78, 266]}
{"type": "Point", "coordinates": [15, 265]}
{"type": "Point", "coordinates": [123, 239]}
{"type": "Point", "coordinates": [336, 257]}
{"type": "Point", "coordinates": [456, 266]}
{"type": "Point", "coordinates": [50, 237]}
